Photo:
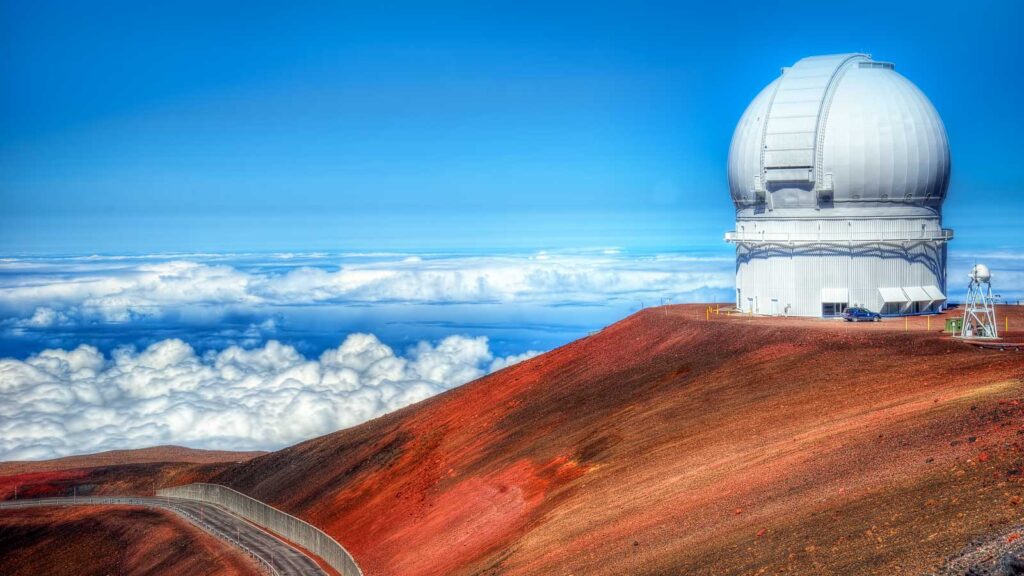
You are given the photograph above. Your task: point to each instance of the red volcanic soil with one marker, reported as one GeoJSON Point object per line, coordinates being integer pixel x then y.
{"type": "Point", "coordinates": [668, 443]}
{"type": "Point", "coordinates": [138, 472]}
{"type": "Point", "coordinates": [120, 457]}
{"type": "Point", "coordinates": [88, 540]}
{"type": "Point", "coordinates": [128, 479]}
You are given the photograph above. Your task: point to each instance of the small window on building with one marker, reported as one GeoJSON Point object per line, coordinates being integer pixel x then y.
{"type": "Point", "coordinates": [832, 308]}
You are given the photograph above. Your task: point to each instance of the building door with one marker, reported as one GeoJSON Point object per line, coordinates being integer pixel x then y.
{"type": "Point", "coordinates": [775, 306]}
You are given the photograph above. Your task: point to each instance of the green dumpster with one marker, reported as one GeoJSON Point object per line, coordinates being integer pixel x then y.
{"type": "Point", "coordinates": [954, 325]}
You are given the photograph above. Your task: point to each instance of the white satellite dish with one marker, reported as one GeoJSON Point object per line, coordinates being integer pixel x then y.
{"type": "Point", "coordinates": [980, 273]}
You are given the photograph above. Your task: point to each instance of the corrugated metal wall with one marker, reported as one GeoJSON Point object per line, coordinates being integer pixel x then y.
{"type": "Point", "coordinates": [794, 276]}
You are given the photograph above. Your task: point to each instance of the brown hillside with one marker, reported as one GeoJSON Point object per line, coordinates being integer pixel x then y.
{"type": "Point", "coordinates": [669, 444]}
{"type": "Point", "coordinates": [139, 471]}
{"type": "Point", "coordinates": [121, 457]}
{"type": "Point", "coordinates": [88, 540]}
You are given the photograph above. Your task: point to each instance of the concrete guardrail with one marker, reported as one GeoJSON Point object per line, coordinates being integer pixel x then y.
{"type": "Point", "coordinates": [289, 527]}
{"type": "Point", "coordinates": [265, 565]}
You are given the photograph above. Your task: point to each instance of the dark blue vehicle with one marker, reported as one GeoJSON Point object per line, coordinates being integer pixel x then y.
{"type": "Point", "coordinates": [856, 314]}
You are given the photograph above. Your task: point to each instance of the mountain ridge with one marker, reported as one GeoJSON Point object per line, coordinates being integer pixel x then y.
{"type": "Point", "coordinates": [664, 434]}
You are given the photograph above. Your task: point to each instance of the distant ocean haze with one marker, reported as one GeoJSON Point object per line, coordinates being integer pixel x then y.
{"type": "Point", "coordinates": [311, 300]}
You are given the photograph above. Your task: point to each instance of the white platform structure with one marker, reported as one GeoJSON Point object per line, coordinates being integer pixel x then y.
{"type": "Point", "coordinates": [979, 306]}
{"type": "Point", "coordinates": [838, 170]}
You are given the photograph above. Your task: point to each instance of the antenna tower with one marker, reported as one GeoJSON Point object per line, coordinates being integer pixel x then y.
{"type": "Point", "coordinates": [979, 307]}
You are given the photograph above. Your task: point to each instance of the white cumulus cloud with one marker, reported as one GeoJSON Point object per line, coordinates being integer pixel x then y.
{"type": "Point", "coordinates": [43, 317]}
{"type": "Point", "coordinates": [60, 402]}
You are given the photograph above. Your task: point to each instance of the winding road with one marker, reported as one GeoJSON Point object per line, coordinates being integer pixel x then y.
{"type": "Point", "coordinates": [273, 554]}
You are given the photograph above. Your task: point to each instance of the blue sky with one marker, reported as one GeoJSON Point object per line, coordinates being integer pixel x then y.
{"type": "Point", "coordinates": [149, 127]}
{"type": "Point", "coordinates": [215, 216]}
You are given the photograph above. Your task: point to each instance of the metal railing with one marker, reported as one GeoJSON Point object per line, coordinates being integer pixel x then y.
{"type": "Point", "coordinates": [766, 237]}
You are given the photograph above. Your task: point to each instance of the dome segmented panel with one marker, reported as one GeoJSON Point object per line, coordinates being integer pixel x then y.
{"type": "Point", "coordinates": [745, 150]}
{"type": "Point", "coordinates": [884, 141]}
{"type": "Point", "coordinates": [838, 131]}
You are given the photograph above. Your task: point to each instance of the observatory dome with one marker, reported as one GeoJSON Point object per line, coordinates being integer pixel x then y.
{"type": "Point", "coordinates": [838, 170]}
{"type": "Point", "coordinates": [842, 132]}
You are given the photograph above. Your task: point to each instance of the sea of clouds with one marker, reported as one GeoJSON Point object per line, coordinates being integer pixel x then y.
{"type": "Point", "coordinates": [60, 402]}
{"type": "Point", "coordinates": [43, 292]}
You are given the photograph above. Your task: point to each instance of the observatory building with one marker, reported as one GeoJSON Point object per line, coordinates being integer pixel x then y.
{"type": "Point", "coordinates": [838, 170]}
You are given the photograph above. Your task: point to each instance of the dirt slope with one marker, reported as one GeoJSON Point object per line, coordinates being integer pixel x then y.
{"type": "Point", "coordinates": [111, 540]}
{"type": "Point", "coordinates": [121, 457]}
{"type": "Point", "coordinates": [668, 444]}
{"type": "Point", "coordinates": [116, 472]}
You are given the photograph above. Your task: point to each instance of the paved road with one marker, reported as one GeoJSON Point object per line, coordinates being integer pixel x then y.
{"type": "Point", "coordinates": [276, 556]}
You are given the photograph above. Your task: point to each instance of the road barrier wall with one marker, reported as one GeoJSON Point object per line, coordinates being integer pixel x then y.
{"type": "Point", "coordinates": [168, 505]}
{"type": "Point", "coordinates": [285, 525]}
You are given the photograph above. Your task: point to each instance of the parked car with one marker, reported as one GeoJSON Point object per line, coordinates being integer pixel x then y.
{"type": "Point", "coordinates": [856, 314]}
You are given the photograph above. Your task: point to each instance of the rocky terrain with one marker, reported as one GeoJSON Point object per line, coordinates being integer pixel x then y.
{"type": "Point", "coordinates": [675, 442]}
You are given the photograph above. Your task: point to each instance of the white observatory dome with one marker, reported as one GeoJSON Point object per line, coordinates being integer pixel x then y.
{"type": "Point", "coordinates": [838, 170]}
{"type": "Point", "coordinates": [843, 132]}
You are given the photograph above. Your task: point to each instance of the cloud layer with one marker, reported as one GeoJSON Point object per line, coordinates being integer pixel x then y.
{"type": "Point", "coordinates": [36, 294]}
{"type": "Point", "coordinates": [129, 388]}
{"type": "Point", "coordinates": [60, 402]}
{"type": "Point", "coordinates": [48, 293]}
